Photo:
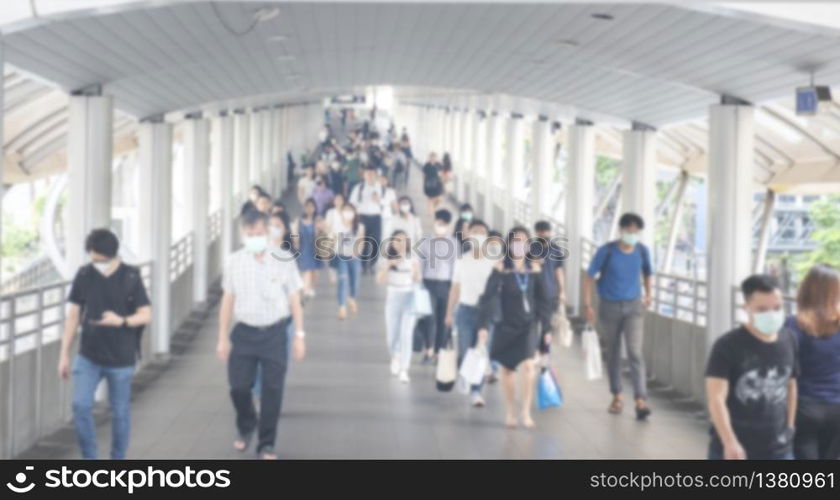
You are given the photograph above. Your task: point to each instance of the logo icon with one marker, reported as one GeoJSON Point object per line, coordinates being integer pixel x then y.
{"type": "Point", "coordinates": [20, 478]}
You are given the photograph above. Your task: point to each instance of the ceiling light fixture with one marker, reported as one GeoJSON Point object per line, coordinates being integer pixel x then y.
{"type": "Point", "coordinates": [265, 14]}
{"type": "Point", "coordinates": [602, 16]}
{"type": "Point", "coordinates": [278, 38]}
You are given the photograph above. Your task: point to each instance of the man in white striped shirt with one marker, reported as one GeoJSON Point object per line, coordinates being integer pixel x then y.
{"type": "Point", "coordinates": [262, 291]}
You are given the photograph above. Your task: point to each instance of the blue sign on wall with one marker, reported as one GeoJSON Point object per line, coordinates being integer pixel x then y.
{"type": "Point", "coordinates": [806, 101]}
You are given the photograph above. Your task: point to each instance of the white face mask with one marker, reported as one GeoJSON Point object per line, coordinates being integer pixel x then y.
{"type": "Point", "coordinates": [630, 238]}
{"type": "Point", "coordinates": [348, 215]}
{"type": "Point", "coordinates": [405, 208]}
{"type": "Point", "coordinates": [769, 323]}
{"type": "Point", "coordinates": [479, 239]}
{"type": "Point", "coordinates": [441, 230]}
{"type": "Point", "coordinates": [275, 232]}
{"type": "Point", "coordinates": [103, 267]}
{"type": "Point", "coordinates": [517, 249]}
{"type": "Point", "coordinates": [256, 244]}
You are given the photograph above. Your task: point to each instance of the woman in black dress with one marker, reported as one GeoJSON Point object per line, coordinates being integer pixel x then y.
{"type": "Point", "coordinates": [516, 289]}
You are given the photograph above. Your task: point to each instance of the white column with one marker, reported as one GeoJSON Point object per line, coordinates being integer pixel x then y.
{"type": "Point", "coordinates": [2, 153]}
{"type": "Point", "coordinates": [242, 146]}
{"type": "Point", "coordinates": [730, 185]}
{"type": "Point", "coordinates": [223, 157]}
{"type": "Point", "coordinates": [256, 148]}
{"type": "Point", "coordinates": [155, 155]}
{"type": "Point", "coordinates": [197, 159]}
{"type": "Point", "coordinates": [513, 169]}
{"type": "Point", "coordinates": [543, 149]}
{"type": "Point", "coordinates": [580, 193]}
{"type": "Point", "coordinates": [89, 161]}
{"type": "Point", "coordinates": [267, 150]}
{"type": "Point", "coordinates": [283, 138]}
{"type": "Point", "coordinates": [478, 170]}
{"type": "Point", "coordinates": [493, 160]}
{"type": "Point", "coordinates": [638, 179]}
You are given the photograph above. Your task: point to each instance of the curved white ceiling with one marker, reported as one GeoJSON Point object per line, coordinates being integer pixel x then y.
{"type": "Point", "coordinates": [652, 63]}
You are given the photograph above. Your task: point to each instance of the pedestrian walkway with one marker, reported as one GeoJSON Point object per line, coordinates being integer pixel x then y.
{"type": "Point", "coordinates": [341, 402]}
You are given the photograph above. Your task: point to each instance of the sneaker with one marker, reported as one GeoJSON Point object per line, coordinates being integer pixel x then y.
{"type": "Point", "coordinates": [476, 400]}
{"type": "Point", "coordinates": [342, 312]}
{"type": "Point", "coordinates": [404, 377]}
{"type": "Point", "coordinates": [351, 304]}
{"type": "Point", "coordinates": [395, 366]}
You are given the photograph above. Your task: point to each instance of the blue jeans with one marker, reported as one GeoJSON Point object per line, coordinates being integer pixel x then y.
{"type": "Point", "coordinates": [466, 323]}
{"type": "Point", "coordinates": [290, 335]}
{"type": "Point", "coordinates": [86, 377]}
{"type": "Point", "coordinates": [348, 270]}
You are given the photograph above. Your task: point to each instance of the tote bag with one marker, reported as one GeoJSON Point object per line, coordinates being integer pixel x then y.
{"type": "Point", "coordinates": [548, 390]}
{"type": "Point", "coordinates": [562, 329]}
{"type": "Point", "coordinates": [592, 353]}
{"type": "Point", "coordinates": [474, 365]}
{"type": "Point", "coordinates": [447, 368]}
{"type": "Point", "coordinates": [422, 302]}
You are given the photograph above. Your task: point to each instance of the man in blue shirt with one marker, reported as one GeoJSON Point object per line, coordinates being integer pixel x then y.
{"type": "Point", "coordinates": [621, 267]}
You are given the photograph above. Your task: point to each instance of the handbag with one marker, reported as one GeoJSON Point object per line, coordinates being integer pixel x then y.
{"type": "Point", "coordinates": [592, 353]}
{"type": "Point", "coordinates": [421, 302]}
{"type": "Point", "coordinates": [562, 329]}
{"type": "Point", "coordinates": [446, 372]}
{"type": "Point", "coordinates": [549, 394]}
{"type": "Point", "coordinates": [474, 365]}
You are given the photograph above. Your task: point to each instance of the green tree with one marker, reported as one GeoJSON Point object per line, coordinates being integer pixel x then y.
{"type": "Point", "coordinates": [825, 215]}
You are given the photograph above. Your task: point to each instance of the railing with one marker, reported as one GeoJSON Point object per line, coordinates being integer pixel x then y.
{"type": "Point", "coordinates": [680, 297]}
{"type": "Point", "coordinates": [587, 251]}
{"type": "Point", "coordinates": [180, 256]}
{"type": "Point", "coordinates": [522, 212]}
{"type": "Point", "coordinates": [214, 226]}
{"type": "Point", "coordinates": [31, 326]}
{"type": "Point", "coordinates": [31, 275]}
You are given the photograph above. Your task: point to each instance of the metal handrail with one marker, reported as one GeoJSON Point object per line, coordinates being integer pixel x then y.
{"type": "Point", "coordinates": [180, 256]}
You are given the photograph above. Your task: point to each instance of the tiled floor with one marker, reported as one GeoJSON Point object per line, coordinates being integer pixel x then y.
{"type": "Point", "coordinates": [341, 402]}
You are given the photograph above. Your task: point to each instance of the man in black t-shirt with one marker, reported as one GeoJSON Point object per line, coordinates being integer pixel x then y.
{"type": "Point", "coordinates": [751, 380]}
{"type": "Point", "coordinates": [109, 302]}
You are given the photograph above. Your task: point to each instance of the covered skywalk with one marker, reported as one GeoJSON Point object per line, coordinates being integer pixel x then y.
{"type": "Point", "coordinates": [155, 117]}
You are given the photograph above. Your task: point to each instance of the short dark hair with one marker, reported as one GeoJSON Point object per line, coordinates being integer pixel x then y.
{"type": "Point", "coordinates": [763, 283]}
{"type": "Point", "coordinates": [103, 242]}
{"type": "Point", "coordinates": [465, 207]}
{"type": "Point", "coordinates": [252, 217]}
{"type": "Point", "coordinates": [477, 223]}
{"type": "Point", "coordinates": [631, 219]}
{"type": "Point", "coordinates": [443, 215]}
{"type": "Point", "coordinates": [542, 226]}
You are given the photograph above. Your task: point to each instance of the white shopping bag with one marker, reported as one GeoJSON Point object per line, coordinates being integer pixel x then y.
{"type": "Point", "coordinates": [474, 365]}
{"type": "Point", "coordinates": [592, 354]}
{"type": "Point", "coordinates": [562, 329]}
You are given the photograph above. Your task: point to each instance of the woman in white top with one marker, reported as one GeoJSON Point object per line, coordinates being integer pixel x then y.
{"type": "Point", "coordinates": [469, 278]}
{"type": "Point", "coordinates": [389, 204]}
{"type": "Point", "coordinates": [348, 232]}
{"type": "Point", "coordinates": [400, 271]}
{"type": "Point", "coordinates": [306, 184]}
{"type": "Point", "coordinates": [406, 220]}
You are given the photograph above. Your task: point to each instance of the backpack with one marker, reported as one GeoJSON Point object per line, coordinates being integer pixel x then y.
{"type": "Point", "coordinates": [130, 280]}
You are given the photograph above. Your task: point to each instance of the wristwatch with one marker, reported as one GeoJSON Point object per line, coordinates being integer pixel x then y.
{"type": "Point", "coordinates": [300, 334]}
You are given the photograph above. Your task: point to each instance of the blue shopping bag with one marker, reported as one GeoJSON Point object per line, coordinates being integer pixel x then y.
{"type": "Point", "coordinates": [548, 390]}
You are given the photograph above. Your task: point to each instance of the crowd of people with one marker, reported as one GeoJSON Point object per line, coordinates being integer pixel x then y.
{"type": "Point", "coordinates": [773, 384]}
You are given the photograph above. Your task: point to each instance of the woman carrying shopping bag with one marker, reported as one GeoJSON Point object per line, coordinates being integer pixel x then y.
{"type": "Point", "coordinates": [524, 305]}
{"type": "Point", "coordinates": [401, 273]}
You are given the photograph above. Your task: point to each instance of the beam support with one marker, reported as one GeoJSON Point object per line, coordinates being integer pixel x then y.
{"type": "Point", "coordinates": [543, 148]}
{"type": "Point", "coordinates": [580, 194]}
{"type": "Point", "coordinates": [197, 159]}
{"type": "Point", "coordinates": [638, 183]}
{"type": "Point", "coordinates": [764, 231]}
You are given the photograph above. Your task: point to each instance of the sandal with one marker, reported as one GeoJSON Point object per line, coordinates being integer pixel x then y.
{"type": "Point", "coordinates": [267, 454]}
{"type": "Point", "coordinates": [616, 407]}
{"type": "Point", "coordinates": [642, 411]}
{"type": "Point", "coordinates": [245, 443]}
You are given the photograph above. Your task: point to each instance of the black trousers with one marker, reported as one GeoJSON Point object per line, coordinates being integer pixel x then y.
{"type": "Point", "coordinates": [252, 347]}
{"type": "Point", "coordinates": [373, 238]}
{"type": "Point", "coordinates": [817, 431]}
{"type": "Point", "coordinates": [434, 326]}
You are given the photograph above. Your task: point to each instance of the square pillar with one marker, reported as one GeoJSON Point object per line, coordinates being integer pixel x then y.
{"type": "Point", "coordinates": [514, 175]}
{"type": "Point", "coordinates": [580, 195]}
{"type": "Point", "coordinates": [242, 146]}
{"type": "Point", "coordinates": [493, 161]}
{"type": "Point", "coordinates": [197, 160]}
{"type": "Point", "coordinates": [478, 169]}
{"type": "Point", "coordinates": [89, 165]}
{"type": "Point", "coordinates": [254, 169]}
{"type": "Point", "coordinates": [638, 179]}
{"type": "Point", "coordinates": [155, 206]}
{"type": "Point", "coordinates": [222, 157]}
{"type": "Point", "coordinates": [730, 191]}
{"type": "Point", "coordinates": [543, 150]}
